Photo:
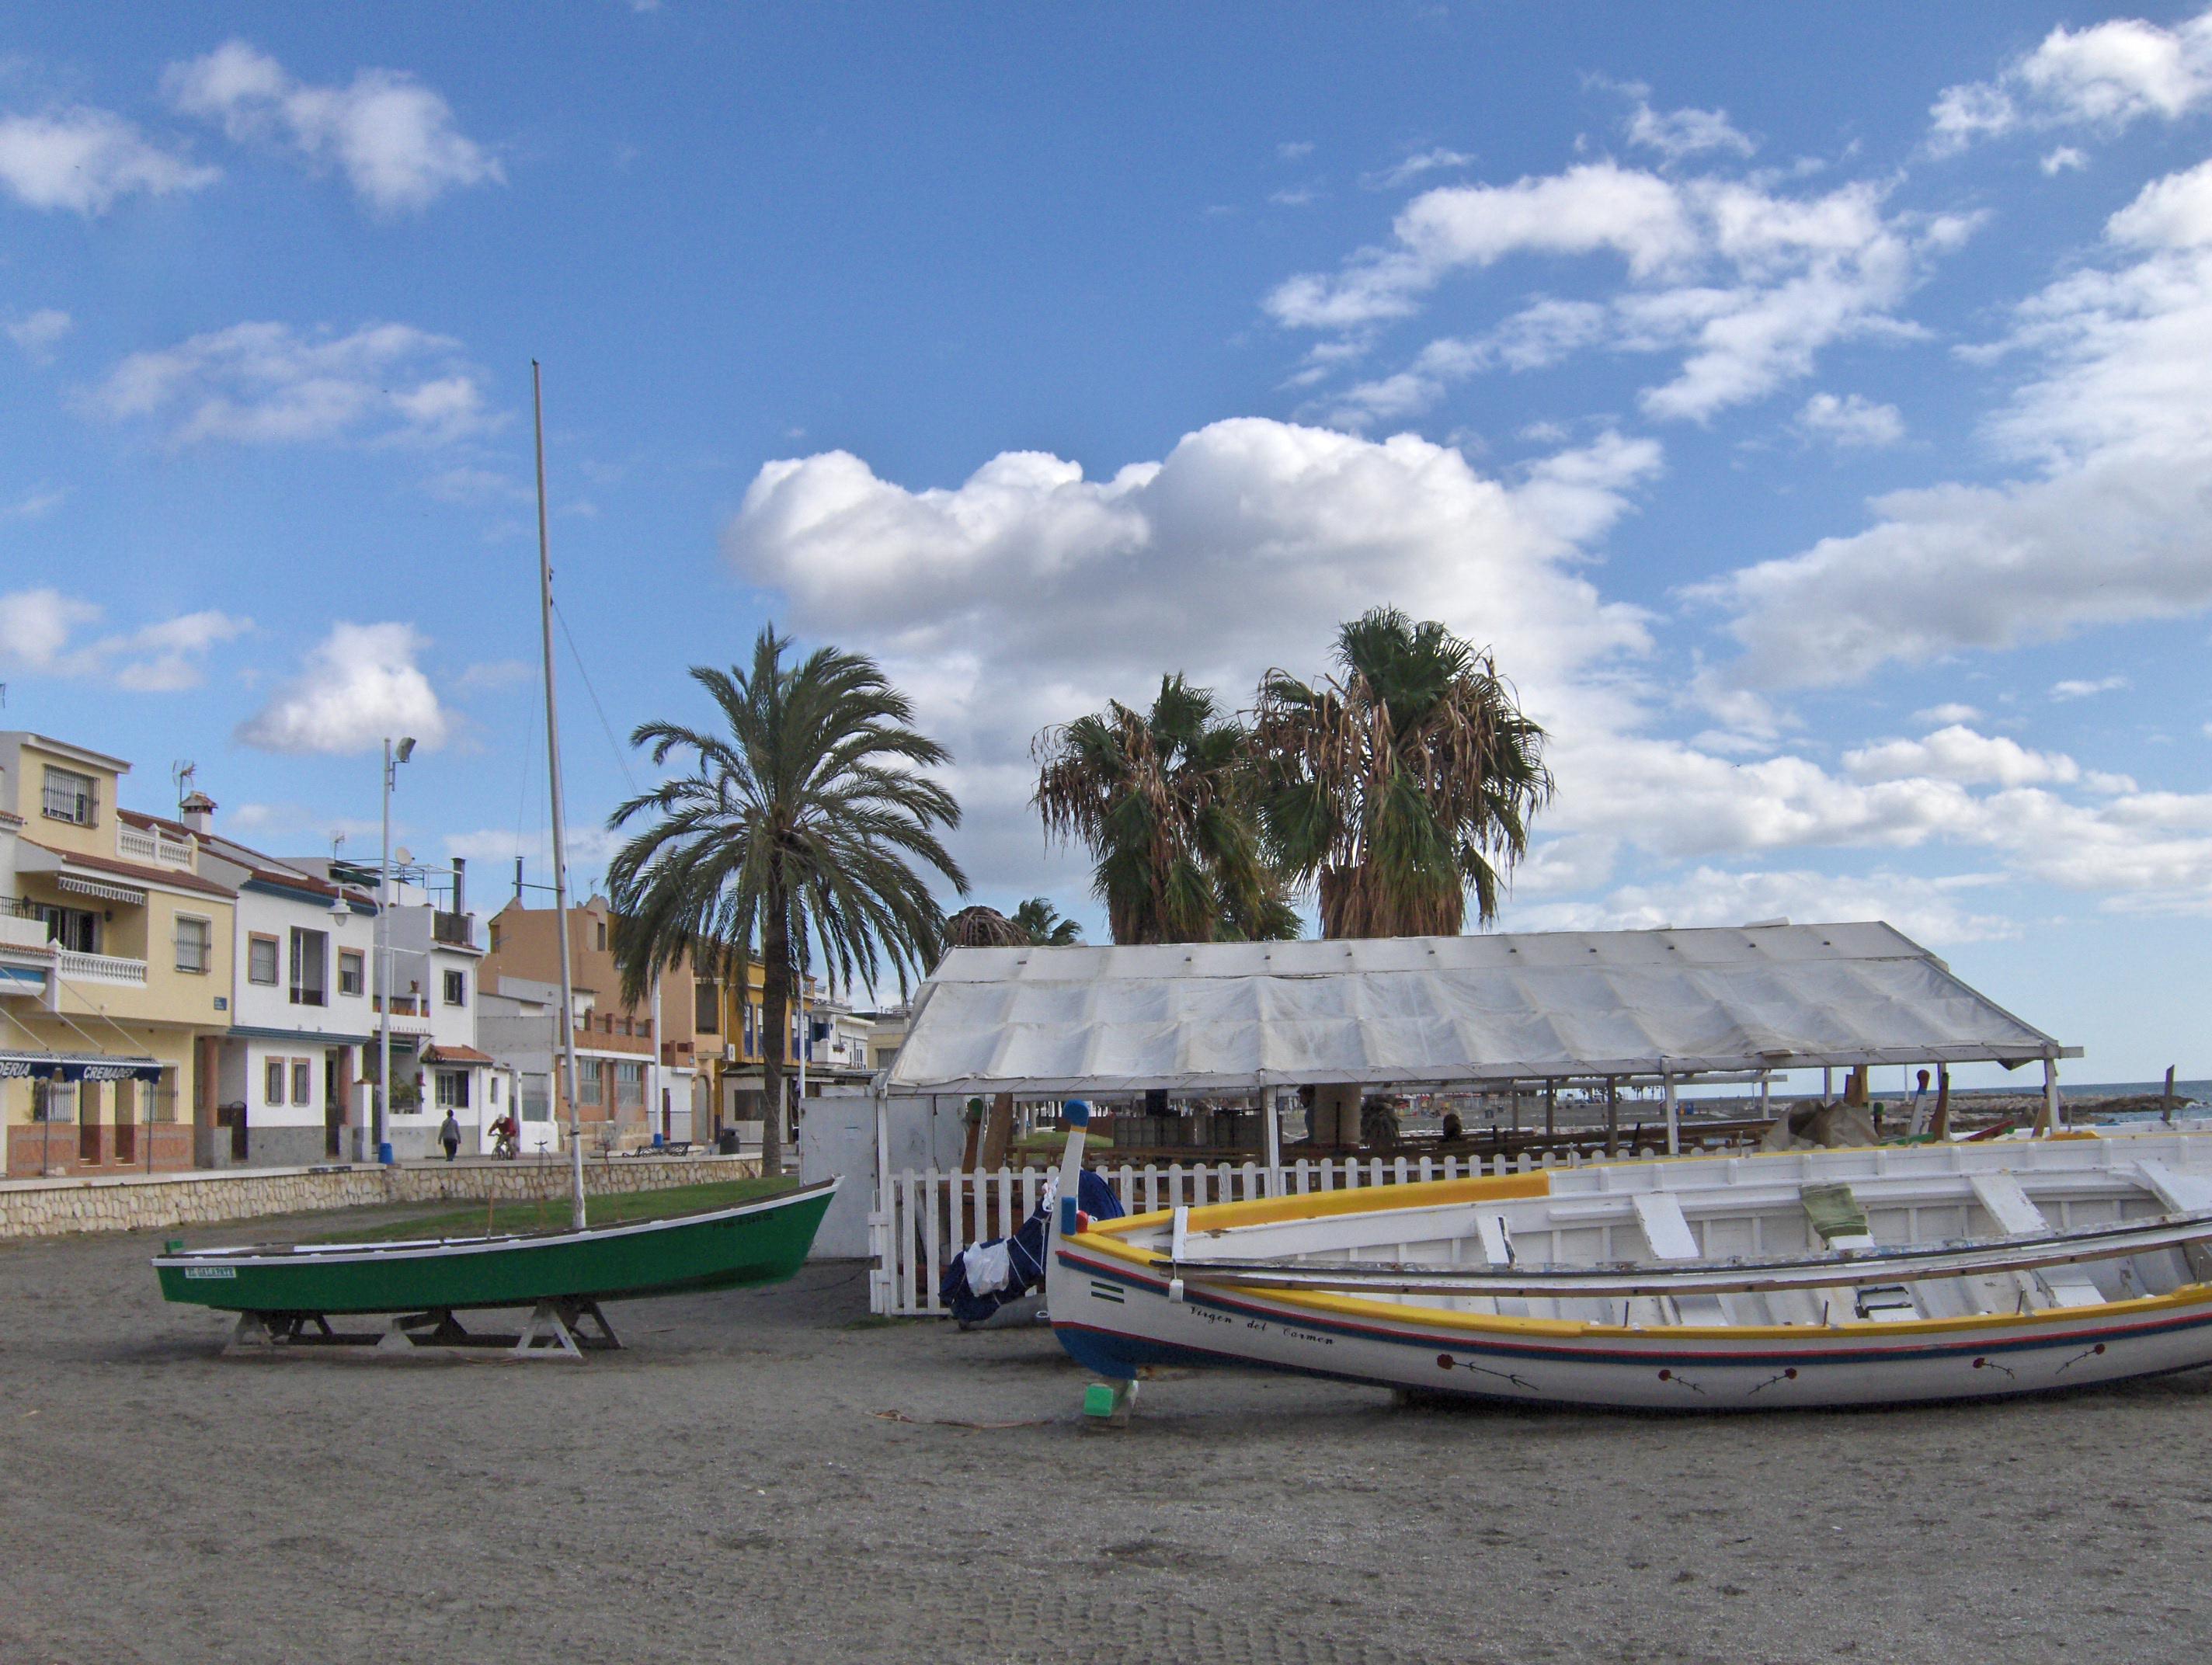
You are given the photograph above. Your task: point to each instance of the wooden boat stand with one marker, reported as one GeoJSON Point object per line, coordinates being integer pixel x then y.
{"type": "Point", "coordinates": [555, 1329]}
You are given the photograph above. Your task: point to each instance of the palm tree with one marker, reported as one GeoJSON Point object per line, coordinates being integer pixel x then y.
{"type": "Point", "coordinates": [799, 827]}
{"type": "Point", "coordinates": [1400, 784]}
{"type": "Point", "coordinates": [1043, 925]}
{"type": "Point", "coordinates": [1164, 801]}
{"type": "Point", "coordinates": [979, 927]}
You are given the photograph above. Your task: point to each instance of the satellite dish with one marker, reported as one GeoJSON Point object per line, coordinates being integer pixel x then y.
{"type": "Point", "coordinates": [402, 855]}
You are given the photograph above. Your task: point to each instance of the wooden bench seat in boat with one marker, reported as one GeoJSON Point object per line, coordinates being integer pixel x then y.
{"type": "Point", "coordinates": [2017, 1216]}
{"type": "Point", "coordinates": [1835, 1214]}
{"type": "Point", "coordinates": [1666, 1231]}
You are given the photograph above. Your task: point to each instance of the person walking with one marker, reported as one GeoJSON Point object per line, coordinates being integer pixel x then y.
{"type": "Point", "coordinates": [449, 1136]}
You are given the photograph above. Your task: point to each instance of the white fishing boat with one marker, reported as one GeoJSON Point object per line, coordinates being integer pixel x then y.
{"type": "Point", "coordinates": [1888, 1275]}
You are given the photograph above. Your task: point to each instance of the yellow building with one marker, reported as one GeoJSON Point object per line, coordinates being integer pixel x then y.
{"type": "Point", "coordinates": [115, 972]}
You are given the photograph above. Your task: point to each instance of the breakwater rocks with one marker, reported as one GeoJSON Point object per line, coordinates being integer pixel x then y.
{"type": "Point", "coordinates": [41, 1208]}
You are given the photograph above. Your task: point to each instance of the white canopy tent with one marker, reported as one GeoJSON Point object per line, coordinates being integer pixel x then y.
{"type": "Point", "coordinates": [1431, 1011]}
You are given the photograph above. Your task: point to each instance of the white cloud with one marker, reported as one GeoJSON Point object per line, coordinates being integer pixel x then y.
{"type": "Point", "coordinates": [1851, 423]}
{"type": "Point", "coordinates": [357, 686]}
{"type": "Point", "coordinates": [1747, 285]}
{"type": "Point", "coordinates": [1029, 594]}
{"type": "Point", "coordinates": [1426, 161]}
{"type": "Point", "coordinates": [1948, 714]}
{"type": "Point", "coordinates": [1678, 133]}
{"type": "Point", "coordinates": [496, 673]}
{"type": "Point", "coordinates": [2079, 688]}
{"type": "Point", "coordinates": [2064, 160]}
{"type": "Point", "coordinates": [1933, 912]}
{"type": "Point", "coordinates": [393, 138]}
{"type": "Point", "coordinates": [1958, 753]}
{"type": "Point", "coordinates": [2106, 76]}
{"type": "Point", "coordinates": [1291, 150]}
{"type": "Point", "coordinates": [591, 847]}
{"type": "Point", "coordinates": [1597, 207]}
{"type": "Point", "coordinates": [85, 160]}
{"type": "Point", "coordinates": [34, 504]}
{"type": "Point", "coordinates": [475, 485]}
{"type": "Point", "coordinates": [41, 634]}
{"type": "Point", "coordinates": [38, 333]}
{"type": "Point", "coordinates": [268, 383]}
{"type": "Point", "coordinates": [2116, 420]}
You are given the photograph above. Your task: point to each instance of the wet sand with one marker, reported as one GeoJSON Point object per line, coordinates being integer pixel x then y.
{"type": "Point", "coordinates": [770, 1476]}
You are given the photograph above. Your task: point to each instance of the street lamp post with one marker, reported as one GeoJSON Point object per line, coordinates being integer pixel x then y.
{"type": "Point", "coordinates": [381, 1133]}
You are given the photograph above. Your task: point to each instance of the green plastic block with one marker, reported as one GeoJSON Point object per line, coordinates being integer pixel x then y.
{"type": "Point", "coordinates": [1099, 1399]}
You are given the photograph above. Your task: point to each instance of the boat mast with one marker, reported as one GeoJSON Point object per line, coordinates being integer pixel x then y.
{"type": "Point", "coordinates": [560, 825]}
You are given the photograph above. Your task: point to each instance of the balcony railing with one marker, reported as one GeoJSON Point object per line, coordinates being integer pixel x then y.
{"type": "Point", "coordinates": [72, 966]}
{"type": "Point", "coordinates": [151, 844]}
{"type": "Point", "coordinates": [455, 930]}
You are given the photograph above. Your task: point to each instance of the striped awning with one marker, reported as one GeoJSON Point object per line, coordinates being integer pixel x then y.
{"type": "Point", "coordinates": [100, 888]}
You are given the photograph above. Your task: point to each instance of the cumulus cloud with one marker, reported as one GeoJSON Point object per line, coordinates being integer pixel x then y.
{"type": "Point", "coordinates": [266, 383]}
{"type": "Point", "coordinates": [1851, 423]}
{"type": "Point", "coordinates": [2082, 687]}
{"type": "Point", "coordinates": [85, 160]}
{"type": "Point", "coordinates": [43, 632]}
{"type": "Point", "coordinates": [2106, 76]}
{"type": "Point", "coordinates": [1944, 715]}
{"type": "Point", "coordinates": [2064, 160]}
{"type": "Point", "coordinates": [2113, 419]}
{"type": "Point", "coordinates": [1743, 284]}
{"type": "Point", "coordinates": [1932, 911]}
{"type": "Point", "coordinates": [357, 687]}
{"type": "Point", "coordinates": [1959, 753]}
{"type": "Point", "coordinates": [1029, 593]}
{"type": "Point", "coordinates": [39, 333]}
{"type": "Point", "coordinates": [393, 138]}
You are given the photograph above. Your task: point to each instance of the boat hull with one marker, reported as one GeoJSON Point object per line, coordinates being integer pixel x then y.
{"type": "Point", "coordinates": [1116, 1317]}
{"type": "Point", "coordinates": [761, 1243]}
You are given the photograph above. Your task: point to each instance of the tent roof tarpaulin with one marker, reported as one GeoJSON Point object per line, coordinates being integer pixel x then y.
{"type": "Point", "coordinates": [1231, 1017]}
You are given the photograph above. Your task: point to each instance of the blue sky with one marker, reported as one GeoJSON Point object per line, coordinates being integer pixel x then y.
{"type": "Point", "coordinates": [1806, 405]}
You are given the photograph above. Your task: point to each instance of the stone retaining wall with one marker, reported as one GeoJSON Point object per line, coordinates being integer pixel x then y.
{"type": "Point", "coordinates": [41, 1208]}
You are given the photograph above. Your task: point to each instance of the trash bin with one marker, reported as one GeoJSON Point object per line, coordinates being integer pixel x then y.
{"type": "Point", "coordinates": [725, 1142]}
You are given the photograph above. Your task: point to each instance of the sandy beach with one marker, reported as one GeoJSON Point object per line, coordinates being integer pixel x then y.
{"type": "Point", "coordinates": [772, 1476]}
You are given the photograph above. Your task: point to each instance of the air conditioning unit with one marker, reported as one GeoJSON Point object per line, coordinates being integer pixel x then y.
{"type": "Point", "coordinates": [730, 1053]}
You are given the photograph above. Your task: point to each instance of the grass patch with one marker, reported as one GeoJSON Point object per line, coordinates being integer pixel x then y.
{"type": "Point", "coordinates": [469, 1219]}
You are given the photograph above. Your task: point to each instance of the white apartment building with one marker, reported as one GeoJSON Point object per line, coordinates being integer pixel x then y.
{"type": "Point", "coordinates": [299, 1005]}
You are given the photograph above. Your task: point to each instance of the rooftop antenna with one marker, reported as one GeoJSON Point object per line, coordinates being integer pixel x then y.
{"type": "Point", "coordinates": [184, 772]}
{"type": "Point", "coordinates": [338, 844]}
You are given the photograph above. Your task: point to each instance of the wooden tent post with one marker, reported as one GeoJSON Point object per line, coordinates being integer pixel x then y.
{"type": "Point", "coordinates": [1673, 1122]}
{"type": "Point", "coordinates": [1612, 1115]}
{"type": "Point", "coordinates": [2051, 1121]}
{"type": "Point", "coordinates": [1271, 1117]}
{"type": "Point", "coordinates": [1940, 1128]}
{"type": "Point", "coordinates": [1550, 1107]}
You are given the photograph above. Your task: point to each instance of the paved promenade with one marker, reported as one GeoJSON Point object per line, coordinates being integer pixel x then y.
{"type": "Point", "coordinates": [769, 1476]}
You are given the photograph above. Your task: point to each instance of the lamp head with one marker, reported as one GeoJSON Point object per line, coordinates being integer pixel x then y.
{"type": "Point", "coordinates": [406, 749]}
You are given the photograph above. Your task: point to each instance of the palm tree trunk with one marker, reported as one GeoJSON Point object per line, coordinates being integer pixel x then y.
{"type": "Point", "coordinates": [775, 1027]}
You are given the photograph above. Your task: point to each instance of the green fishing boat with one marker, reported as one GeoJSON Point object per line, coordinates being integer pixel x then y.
{"type": "Point", "coordinates": [286, 1295]}
{"type": "Point", "coordinates": [755, 1242]}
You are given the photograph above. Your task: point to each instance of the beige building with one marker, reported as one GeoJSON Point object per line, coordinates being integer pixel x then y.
{"type": "Point", "coordinates": [638, 1067]}
{"type": "Point", "coordinates": [115, 972]}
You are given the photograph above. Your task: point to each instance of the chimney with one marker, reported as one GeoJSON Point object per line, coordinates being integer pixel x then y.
{"type": "Point", "coordinates": [198, 812]}
{"type": "Point", "coordinates": [518, 881]}
{"type": "Point", "coordinates": [460, 884]}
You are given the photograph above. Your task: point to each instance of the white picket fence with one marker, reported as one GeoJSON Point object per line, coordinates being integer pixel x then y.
{"type": "Point", "coordinates": [936, 1212]}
